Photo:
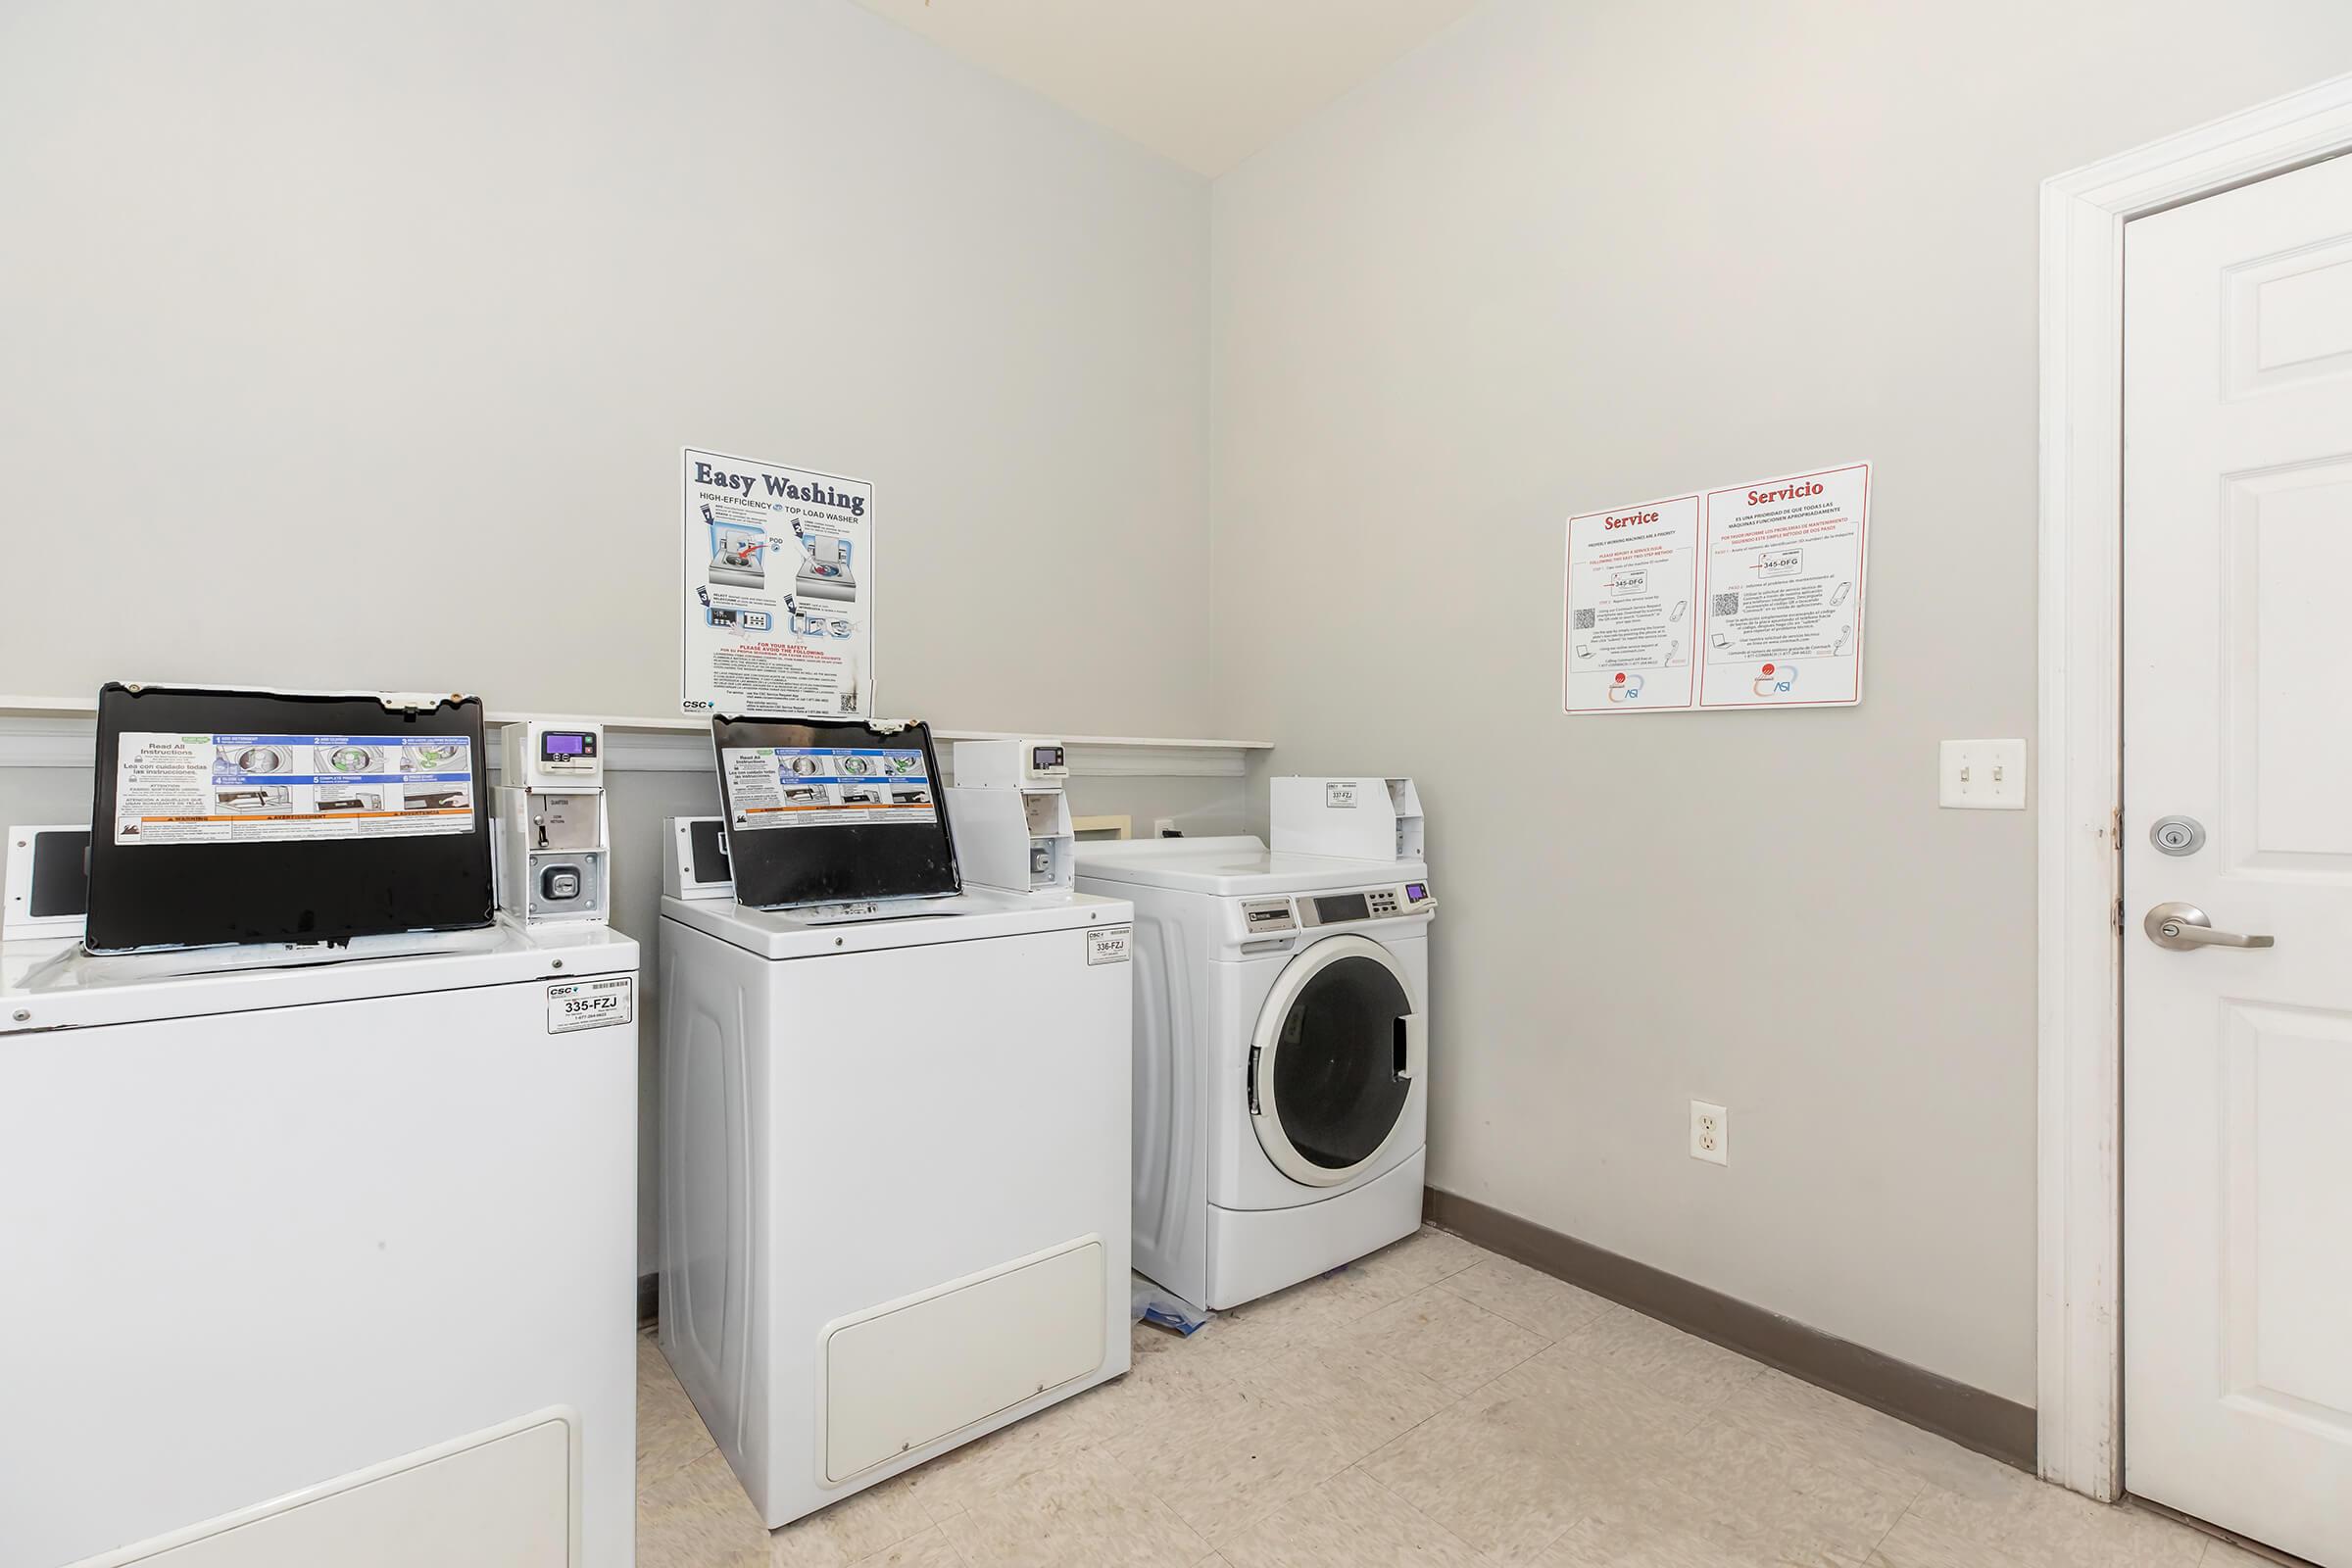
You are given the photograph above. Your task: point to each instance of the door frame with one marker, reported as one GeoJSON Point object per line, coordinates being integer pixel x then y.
{"type": "Point", "coordinates": [2079, 1380]}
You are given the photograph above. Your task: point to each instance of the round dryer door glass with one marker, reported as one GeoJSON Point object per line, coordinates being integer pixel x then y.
{"type": "Point", "coordinates": [1333, 1059]}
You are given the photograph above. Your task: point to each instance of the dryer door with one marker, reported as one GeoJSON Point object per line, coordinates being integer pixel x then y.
{"type": "Point", "coordinates": [1333, 1063]}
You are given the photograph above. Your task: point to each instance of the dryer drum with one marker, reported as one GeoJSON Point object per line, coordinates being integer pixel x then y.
{"type": "Point", "coordinates": [1339, 1078]}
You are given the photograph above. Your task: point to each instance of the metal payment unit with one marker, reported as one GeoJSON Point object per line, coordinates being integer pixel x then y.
{"type": "Point", "coordinates": [1010, 819]}
{"type": "Point", "coordinates": [554, 861]}
{"type": "Point", "coordinates": [1359, 819]}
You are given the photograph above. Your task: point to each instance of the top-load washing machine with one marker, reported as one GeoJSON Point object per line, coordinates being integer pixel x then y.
{"type": "Point", "coordinates": [895, 1121]}
{"type": "Point", "coordinates": [320, 1179]}
{"type": "Point", "coordinates": [1281, 1057]}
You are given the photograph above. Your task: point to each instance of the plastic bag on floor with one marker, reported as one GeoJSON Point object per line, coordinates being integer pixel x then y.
{"type": "Point", "coordinates": [1157, 1308]}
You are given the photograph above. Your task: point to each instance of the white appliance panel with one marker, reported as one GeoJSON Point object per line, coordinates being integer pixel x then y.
{"type": "Point", "coordinates": [907, 1375]}
{"type": "Point", "coordinates": [279, 1245]}
{"type": "Point", "coordinates": [502, 1499]}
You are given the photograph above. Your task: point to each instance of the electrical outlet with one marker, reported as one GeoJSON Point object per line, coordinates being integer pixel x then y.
{"type": "Point", "coordinates": [1982, 776]}
{"type": "Point", "coordinates": [1710, 1133]}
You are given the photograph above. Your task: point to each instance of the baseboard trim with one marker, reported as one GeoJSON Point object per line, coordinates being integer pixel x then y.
{"type": "Point", "coordinates": [649, 1299]}
{"type": "Point", "coordinates": [1970, 1416]}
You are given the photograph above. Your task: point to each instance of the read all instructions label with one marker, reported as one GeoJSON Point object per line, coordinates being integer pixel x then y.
{"type": "Point", "coordinates": [276, 789]}
{"type": "Point", "coordinates": [827, 786]}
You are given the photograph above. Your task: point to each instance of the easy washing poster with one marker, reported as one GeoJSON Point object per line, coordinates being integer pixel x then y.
{"type": "Point", "coordinates": [1748, 595]}
{"type": "Point", "coordinates": [824, 786]}
{"type": "Point", "coordinates": [250, 789]}
{"type": "Point", "coordinates": [777, 594]}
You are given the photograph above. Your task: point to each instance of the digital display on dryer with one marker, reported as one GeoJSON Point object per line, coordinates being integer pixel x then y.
{"type": "Point", "coordinates": [1341, 907]}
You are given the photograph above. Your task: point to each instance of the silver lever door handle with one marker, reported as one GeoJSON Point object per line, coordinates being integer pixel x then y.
{"type": "Point", "coordinates": [2184, 926]}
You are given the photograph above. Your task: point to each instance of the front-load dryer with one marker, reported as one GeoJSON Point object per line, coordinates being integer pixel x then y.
{"type": "Point", "coordinates": [1281, 1057]}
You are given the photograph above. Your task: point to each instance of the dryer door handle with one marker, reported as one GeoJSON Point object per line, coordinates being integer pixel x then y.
{"type": "Point", "coordinates": [1412, 1045]}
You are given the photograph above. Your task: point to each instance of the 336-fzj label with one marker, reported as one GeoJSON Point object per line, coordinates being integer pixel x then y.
{"type": "Point", "coordinates": [1110, 944]}
{"type": "Point", "coordinates": [590, 1004]}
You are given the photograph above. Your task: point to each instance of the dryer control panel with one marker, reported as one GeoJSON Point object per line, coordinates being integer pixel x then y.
{"type": "Point", "coordinates": [1391, 903]}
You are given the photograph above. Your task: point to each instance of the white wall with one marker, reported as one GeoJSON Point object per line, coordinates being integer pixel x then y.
{"type": "Point", "coordinates": [353, 346]}
{"type": "Point", "coordinates": [1569, 256]}
{"type": "Point", "coordinates": [331, 332]}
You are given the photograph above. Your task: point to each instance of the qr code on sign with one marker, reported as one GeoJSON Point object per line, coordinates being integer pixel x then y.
{"type": "Point", "coordinates": [1584, 620]}
{"type": "Point", "coordinates": [1726, 605]}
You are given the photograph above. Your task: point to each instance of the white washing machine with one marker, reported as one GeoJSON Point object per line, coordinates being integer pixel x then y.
{"type": "Point", "coordinates": [894, 1177]}
{"type": "Point", "coordinates": [319, 1256]}
{"type": "Point", "coordinates": [1281, 1052]}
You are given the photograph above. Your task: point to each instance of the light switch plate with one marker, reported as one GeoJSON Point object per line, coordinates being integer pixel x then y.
{"type": "Point", "coordinates": [1982, 776]}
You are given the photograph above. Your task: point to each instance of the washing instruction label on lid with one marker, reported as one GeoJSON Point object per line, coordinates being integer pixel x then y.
{"type": "Point", "coordinates": [590, 1004]}
{"type": "Point", "coordinates": [826, 786]}
{"type": "Point", "coordinates": [273, 789]}
{"type": "Point", "coordinates": [1110, 945]}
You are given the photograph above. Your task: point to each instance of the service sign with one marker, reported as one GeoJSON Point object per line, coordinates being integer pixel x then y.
{"type": "Point", "coordinates": [1747, 595]}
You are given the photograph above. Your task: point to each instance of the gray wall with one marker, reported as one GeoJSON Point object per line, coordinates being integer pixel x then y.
{"type": "Point", "coordinates": [353, 346]}
{"type": "Point", "coordinates": [341, 341]}
{"type": "Point", "coordinates": [1572, 255]}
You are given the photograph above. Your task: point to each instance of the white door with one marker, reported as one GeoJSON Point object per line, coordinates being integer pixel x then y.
{"type": "Point", "coordinates": [2237, 1060]}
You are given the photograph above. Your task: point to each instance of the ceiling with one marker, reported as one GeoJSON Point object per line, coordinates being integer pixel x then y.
{"type": "Point", "coordinates": [1205, 82]}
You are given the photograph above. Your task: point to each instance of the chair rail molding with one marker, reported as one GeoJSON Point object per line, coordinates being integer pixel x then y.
{"type": "Point", "coordinates": [56, 733]}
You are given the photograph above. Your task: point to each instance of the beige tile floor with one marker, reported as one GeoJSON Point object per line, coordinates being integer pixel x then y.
{"type": "Point", "coordinates": [1434, 1405]}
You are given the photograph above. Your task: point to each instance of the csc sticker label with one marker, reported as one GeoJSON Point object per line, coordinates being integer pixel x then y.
{"type": "Point", "coordinates": [1339, 797]}
{"type": "Point", "coordinates": [590, 1004]}
{"type": "Point", "coordinates": [1110, 945]}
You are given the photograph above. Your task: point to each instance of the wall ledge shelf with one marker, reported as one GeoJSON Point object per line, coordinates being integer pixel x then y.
{"type": "Point", "coordinates": [57, 732]}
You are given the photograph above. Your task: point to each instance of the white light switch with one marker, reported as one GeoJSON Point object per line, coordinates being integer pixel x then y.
{"type": "Point", "coordinates": [1983, 775]}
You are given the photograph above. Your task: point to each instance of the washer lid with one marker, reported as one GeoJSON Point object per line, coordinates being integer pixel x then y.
{"type": "Point", "coordinates": [972, 915]}
{"type": "Point", "coordinates": [1231, 866]}
{"type": "Point", "coordinates": [57, 985]}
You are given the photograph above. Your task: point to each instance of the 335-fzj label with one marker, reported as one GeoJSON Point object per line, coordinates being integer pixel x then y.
{"type": "Point", "coordinates": [590, 1004]}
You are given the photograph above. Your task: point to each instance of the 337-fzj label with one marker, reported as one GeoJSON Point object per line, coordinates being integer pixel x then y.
{"type": "Point", "coordinates": [590, 1004]}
